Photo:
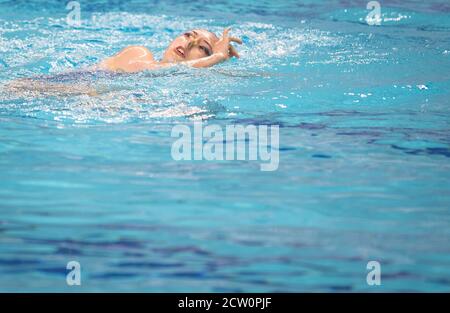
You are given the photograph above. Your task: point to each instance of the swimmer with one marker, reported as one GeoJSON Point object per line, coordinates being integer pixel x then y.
{"type": "Point", "coordinates": [196, 48]}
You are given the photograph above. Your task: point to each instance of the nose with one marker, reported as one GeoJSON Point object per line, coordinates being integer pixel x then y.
{"type": "Point", "coordinates": [193, 42]}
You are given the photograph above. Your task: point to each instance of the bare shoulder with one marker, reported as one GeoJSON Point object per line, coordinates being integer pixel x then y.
{"type": "Point", "coordinates": [136, 52]}
{"type": "Point", "coordinates": [129, 59]}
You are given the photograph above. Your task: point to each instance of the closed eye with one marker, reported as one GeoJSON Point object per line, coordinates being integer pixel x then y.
{"type": "Point", "coordinates": [206, 50]}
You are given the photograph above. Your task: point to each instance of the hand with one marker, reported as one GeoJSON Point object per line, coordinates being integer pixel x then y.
{"type": "Point", "coordinates": [224, 47]}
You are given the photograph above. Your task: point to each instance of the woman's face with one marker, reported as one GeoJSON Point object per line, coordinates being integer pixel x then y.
{"type": "Point", "coordinates": [194, 44]}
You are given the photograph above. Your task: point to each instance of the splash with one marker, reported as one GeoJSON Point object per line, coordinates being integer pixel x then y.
{"type": "Point", "coordinates": [51, 50]}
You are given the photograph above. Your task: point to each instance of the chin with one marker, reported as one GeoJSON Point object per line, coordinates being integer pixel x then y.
{"type": "Point", "coordinates": [171, 57]}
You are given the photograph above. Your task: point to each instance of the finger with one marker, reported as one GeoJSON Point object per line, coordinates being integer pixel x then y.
{"type": "Point", "coordinates": [237, 40]}
{"type": "Point", "coordinates": [233, 52]}
{"type": "Point", "coordinates": [226, 32]}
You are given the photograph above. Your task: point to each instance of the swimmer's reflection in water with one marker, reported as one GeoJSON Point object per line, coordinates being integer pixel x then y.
{"type": "Point", "coordinates": [196, 48]}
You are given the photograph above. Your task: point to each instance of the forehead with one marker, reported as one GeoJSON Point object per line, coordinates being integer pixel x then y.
{"type": "Point", "coordinates": [207, 34]}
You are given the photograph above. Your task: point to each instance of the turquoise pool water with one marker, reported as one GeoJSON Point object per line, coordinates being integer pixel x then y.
{"type": "Point", "coordinates": [364, 170]}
